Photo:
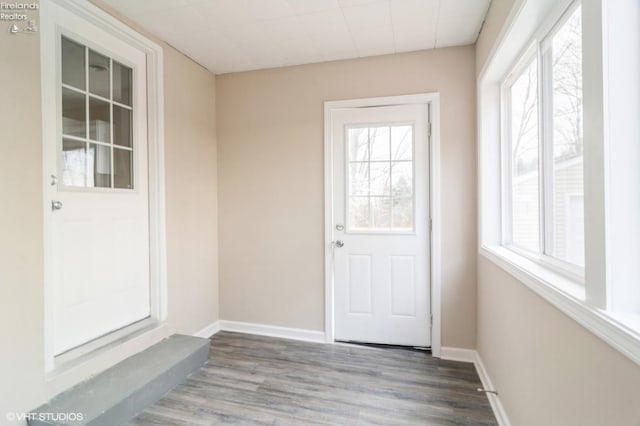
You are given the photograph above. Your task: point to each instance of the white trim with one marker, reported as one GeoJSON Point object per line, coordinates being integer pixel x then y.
{"type": "Point", "coordinates": [457, 354]}
{"type": "Point", "coordinates": [269, 330]}
{"type": "Point", "coordinates": [496, 404]}
{"type": "Point", "coordinates": [155, 114]}
{"type": "Point", "coordinates": [615, 333]}
{"type": "Point", "coordinates": [433, 101]}
{"type": "Point", "coordinates": [472, 356]}
{"type": "Point", "coordinates": [209, 330]}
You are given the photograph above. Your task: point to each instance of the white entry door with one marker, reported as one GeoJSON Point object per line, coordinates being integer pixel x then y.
{"type": "Point", "coordinates": [381, 224]}
{"type": "Point", "coordinates": [97, 181]}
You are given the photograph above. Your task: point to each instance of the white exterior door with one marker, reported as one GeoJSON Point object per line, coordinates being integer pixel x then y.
{"type": "Point", "coordinates": [97, 180]}
{"type": "Point", "coordinates": [381, 224]}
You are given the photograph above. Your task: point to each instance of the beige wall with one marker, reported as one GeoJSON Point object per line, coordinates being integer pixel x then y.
{"type": "Point", "coordinates": [270, 163]}
{"type": "Point", "coordinates": [548, 369]}
{"type": "Point", "coordinates": [192, 193]}
{"type": "Point", "coordinates": [496, 16]}
{"type": "Point", "coordinates": [21, 237]}
{"type": "Point", "coordinates": [191, 215]}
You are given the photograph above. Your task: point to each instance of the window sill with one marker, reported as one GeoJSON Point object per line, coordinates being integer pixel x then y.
{"type": "Point", "coordinates": [621, 331]}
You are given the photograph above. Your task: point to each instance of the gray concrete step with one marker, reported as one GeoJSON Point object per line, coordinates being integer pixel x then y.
{"type": "Point", "coordinates": [116, 395]}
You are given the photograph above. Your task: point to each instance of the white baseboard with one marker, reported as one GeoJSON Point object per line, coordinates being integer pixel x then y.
{"type": "Point", "coordinates": [494, 400]}
{"type": "Point", "coordinates": [273, 331]}
{"type": "Point", "coordinates": [470, 355]}
{"type": "Point", "coordinates": [262, 330]}
{"type": "Point", "coordinates": [209, 330]}
{"type": "Point", "coordinates": [457, 354]}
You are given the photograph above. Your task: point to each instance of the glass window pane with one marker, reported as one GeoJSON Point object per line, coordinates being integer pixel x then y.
{"type": "Point", "coordinates": [380, 179]}
{"type": "Point", "coordinates": [380, 143]}
{"type": "Point", "coordinates": [99, 75]}
{"type": "Point", "coordinates": [358, 144]}
{"type": "Point", "coordinates": [359, 178]}
{"type": "Point", "coordinates": [358, 213]}
{"type": "Point", "coordinates": [99, 120]}
{"type": "Point", "coordinates": [567, 146]}
{"type": "Point", "coordinates": [121, 126]}
{"type": "Point", "coordinates": [122, 169]}
{"type": "Point", "coordinates": [74, 163]}
{"type": "Point", "coordinates": [402, 179]}
{"type": "Point", "coordinates": [403, 214]}
{"type": "Point", "coordinates": [524, 160]}
{"type": "Point", "coordinates": [74, 113]}
{"type": "Point", "coordinates": [402, 143]}
{"type": "Point", "coordinates": [73, 69]}
{"type": "Point", "coordinates": [98, 166]}
{"type": "Point", "coordinates": [122, 77]}
{"type": "Point", "coordinates": [381, 212]}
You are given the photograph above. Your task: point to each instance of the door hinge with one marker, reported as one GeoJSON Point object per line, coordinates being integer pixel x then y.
{"type": "Point", "coordinates": [429, 130]}
{"type": "Point", "coordinates": [430, 320]}
{"type": "Point", "coordinates": [430, 225]}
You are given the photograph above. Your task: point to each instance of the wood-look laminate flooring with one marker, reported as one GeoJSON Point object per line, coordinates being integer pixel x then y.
{"type": "Point", "coordinates": [256, 380]}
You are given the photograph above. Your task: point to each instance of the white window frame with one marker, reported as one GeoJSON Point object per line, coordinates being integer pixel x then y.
{"type": "Point", "coordinates": [608, 117]}
{"type": "Point", "coordinates": [104, 352]}
{"type": "Point", "coordinates": [534, 53]}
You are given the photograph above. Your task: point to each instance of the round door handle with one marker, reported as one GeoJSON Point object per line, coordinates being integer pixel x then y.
{"type": "Point", "coordinates": [339, 243]}
{"type": "Point", "coordinates": [56, 205]}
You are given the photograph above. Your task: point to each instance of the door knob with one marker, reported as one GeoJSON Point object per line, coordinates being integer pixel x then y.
{"type": "Point", "coordinates": [339, 243]}
{"type": "Point", "coordinates": [56, 205]}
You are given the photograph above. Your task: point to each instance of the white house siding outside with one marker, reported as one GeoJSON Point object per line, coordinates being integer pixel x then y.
{"type": "Point", "coordinates": [568, 220]}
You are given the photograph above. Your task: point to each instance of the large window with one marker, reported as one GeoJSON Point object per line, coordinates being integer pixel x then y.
{"type": "Point", "coordinates": [542, 139]}
{"type": "Point", "coordinates": [559, 150]}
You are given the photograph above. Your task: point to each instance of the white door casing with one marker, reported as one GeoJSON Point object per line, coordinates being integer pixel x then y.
{"type": "Point", "coordinates": [103, 246]}
{"type": "Point", "coordinates": [380, 229]}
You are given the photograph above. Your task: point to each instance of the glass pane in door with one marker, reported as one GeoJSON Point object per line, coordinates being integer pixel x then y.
{"type": "Point", "coordinates": [99, 166]}
{"type": "Point", "coordinates": [74, 162]}
{"type": "Point", "coordinates": [121, 126]}
{"type": "Point", "coordinates": [122, 77]}
{"type": "Point", "coordinates": [74, 113]}
{"type": "Point", "coordinates": [99, 75]}
{"type": "Point", "coordinates": [73, 64]}
{"type": "Point", "coordinates": [122, 169]}
{"type": "Point", "coordinates": [97, 119]}
{"type": "Point", "coordinates": [380, 178]}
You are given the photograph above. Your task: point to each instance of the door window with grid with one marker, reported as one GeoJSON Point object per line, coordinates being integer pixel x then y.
{"type": "Point", "coordinates": [380, 183]}
{"type": "Point", "coordinates": [97, 124]}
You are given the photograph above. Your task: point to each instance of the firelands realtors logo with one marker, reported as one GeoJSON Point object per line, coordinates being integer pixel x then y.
{"type": "Point", "coordinates": [17, 12]}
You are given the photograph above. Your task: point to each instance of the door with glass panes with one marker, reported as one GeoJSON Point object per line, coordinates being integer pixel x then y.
{"type": "Point", "coordinates": [381, 224]}
{"type": "Point", "coordinates": [98, 189]}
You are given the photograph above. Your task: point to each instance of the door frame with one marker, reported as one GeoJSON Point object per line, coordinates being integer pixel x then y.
{"type": "Point", "coordinates": [432, 100]}
{"type": "Point", "coordinates": [139, 335]}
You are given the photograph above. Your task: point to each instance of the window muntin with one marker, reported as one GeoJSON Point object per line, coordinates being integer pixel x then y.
{"type": "Point", "coordinates": [97, 119]}
{"type": "Point", "coordinates": [544, 187]}
{"type": "Point", "coordinates": [380, 178]}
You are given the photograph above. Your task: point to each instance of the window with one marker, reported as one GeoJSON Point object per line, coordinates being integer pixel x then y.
{"type": "Point", "coordinates": [524, 149]}
{"type": "Point", "coordinates": [559, 160]}
{"type": "Point", "coordinates": [97, 126]}
{"type": "Point", "coordinates": [543, 143]}
{"type": "Point", "coordinates": [380, 178]}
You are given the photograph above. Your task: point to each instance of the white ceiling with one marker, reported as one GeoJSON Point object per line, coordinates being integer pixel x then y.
{"type": "Point", "coordinates": [239, 35]}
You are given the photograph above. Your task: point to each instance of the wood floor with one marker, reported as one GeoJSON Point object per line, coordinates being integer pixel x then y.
{"type": "Point", "coordinates": [255, 380]}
